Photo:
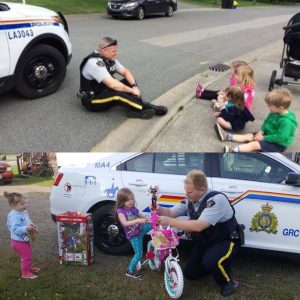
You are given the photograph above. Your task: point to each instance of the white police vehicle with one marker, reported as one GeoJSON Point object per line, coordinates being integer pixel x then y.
{"type": "Point", "coordinates": [35, 49]}
{"type": "Point", "coordinates": [264, 189]}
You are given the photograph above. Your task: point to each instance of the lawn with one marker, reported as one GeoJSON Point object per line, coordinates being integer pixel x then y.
{"type": "Point", "coordinates": [31, 180]}
{"type": "Point", "coordinates": [97, 6]}
{"type": "Point", "coordinates": [267, 277]}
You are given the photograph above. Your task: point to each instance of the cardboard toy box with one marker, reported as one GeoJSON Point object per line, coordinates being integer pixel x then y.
{"type": "Point", "coordinates": [75, 238]}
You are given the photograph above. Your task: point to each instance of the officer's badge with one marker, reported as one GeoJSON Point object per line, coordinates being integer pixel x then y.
{"type": "Point", "coordinates": [265, 220]}
{"type": "Point", "coordinates": [100, 63]}
{"type": "Point", "coordinates": [210, 203]}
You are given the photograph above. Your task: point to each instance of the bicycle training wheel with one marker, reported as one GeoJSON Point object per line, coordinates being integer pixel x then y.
{"type": "Point", "coordinates": [174, 280]}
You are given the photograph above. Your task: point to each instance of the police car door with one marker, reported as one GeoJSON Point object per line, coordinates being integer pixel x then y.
{"type": "Point", "coordinates": [167, 170]}
{"type": "Point", "coordinates": [268, 207]}
{"type": "Point", "coordinates": [4, 57]}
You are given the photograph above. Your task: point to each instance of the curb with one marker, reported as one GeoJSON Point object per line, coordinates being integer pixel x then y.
{"type": "Point", "coordinates": [137, 135]}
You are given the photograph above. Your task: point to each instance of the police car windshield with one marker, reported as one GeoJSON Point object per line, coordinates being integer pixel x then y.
{"type": "Point", "coordinates": [4, 7]}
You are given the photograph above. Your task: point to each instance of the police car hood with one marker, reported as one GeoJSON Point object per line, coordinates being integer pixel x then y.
{"type": "Point", "coordinates": [29, 11]}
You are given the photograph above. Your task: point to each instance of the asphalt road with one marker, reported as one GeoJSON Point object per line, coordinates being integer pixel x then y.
{"type": "Point", "coordinates": [162, 52]}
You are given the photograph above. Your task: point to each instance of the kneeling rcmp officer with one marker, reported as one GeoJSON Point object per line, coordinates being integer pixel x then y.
{"type": "Point", "coordinates": [213, 228]}
{"type": "Point", "coordinates": [99, 90]}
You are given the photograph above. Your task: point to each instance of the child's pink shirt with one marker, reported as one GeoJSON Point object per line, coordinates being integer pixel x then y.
{"type": "Point", "coordinates": [233, 80]}
{"type": "Point", "coordinates": [249, 96]}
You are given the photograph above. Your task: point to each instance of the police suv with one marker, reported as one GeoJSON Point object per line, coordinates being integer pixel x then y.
{"type": "Point", "coordinates": [35, 49]}
{"type": "Point", "coordinates": [264, 189]}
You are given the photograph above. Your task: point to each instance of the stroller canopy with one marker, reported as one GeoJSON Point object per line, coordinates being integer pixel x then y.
{"type": "Point", "coordinates": [292, 37]}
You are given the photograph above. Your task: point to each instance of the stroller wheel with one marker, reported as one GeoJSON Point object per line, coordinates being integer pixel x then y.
{"type": "Point", "coordinates": [272, 80]}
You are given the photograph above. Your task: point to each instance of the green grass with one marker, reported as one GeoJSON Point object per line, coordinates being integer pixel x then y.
{"type": "Point", "coordinates": [270, 278]}
{"type": "Point", "coordinates": [34, 180]}
{"type": "Point", "coordinates": [97, 6]}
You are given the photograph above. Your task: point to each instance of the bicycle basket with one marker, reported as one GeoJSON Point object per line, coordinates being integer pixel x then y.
{"type": "Point", "coordinates": [164, 239]}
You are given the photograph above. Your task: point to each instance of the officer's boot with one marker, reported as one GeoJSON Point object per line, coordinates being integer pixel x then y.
{"type": "Point", "coordinates": [159, 109]}
{"type": "Point", "coordinates": [229, 288]}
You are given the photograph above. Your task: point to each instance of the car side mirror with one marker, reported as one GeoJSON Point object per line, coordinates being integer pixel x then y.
{"type": "Point", "coordinates": [293, 178]}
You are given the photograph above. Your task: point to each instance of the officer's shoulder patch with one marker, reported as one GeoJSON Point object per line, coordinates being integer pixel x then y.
{"type": "Point", "coordinates": [210, 203]}
{"type": "Point", "coordinates": [100, 63]}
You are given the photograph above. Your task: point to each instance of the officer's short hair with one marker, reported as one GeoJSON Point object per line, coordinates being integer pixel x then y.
{"type": "Point", "coordinates": [106, 41]}
{"type": "Point", "coordinates": [197, 178]}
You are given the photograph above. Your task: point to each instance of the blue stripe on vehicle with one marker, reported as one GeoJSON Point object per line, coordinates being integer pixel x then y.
{"type": "Point", "coordinates": [21, 25]}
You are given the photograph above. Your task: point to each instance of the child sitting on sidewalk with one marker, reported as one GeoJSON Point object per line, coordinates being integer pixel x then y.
{"type": "Point", "coordinates": [217, 97]}
{"type": "Point", "coordinates": [245, 76]}
{"type": "Point", "coordinates": [277, 131]}
{"type": "Point", "coordinates": [235, 115]}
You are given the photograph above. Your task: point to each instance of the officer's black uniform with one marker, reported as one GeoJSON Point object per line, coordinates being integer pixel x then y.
{"type": "Point", "coordinates": [102, 97]}
{"type": "Point", "coordinates": [97, 96]}
{"type": "Point", "coordinates": [214, 249]}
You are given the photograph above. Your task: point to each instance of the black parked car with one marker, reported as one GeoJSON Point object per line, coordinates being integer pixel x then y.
{"type": "Point", "coordinates": [140, 8]}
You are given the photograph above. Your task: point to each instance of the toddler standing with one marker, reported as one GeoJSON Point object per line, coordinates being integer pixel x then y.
{"type": "Point", "coordinates": [22, 230]}
{"type": "Point", "coordinates": [133, 223]}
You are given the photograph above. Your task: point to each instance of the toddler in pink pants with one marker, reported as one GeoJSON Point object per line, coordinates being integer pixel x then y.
{"type": "Point", "coordinates": [22, 231]}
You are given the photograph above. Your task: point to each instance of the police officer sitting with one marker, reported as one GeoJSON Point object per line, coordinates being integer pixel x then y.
{"type": "Point", "coordinates": [213, 229]}
{"type": "Point", "coordinates": [99, 90]}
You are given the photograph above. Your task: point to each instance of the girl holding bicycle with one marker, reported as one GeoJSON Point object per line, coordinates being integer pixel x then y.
{"type": "Point", "coordinates": [134, 225]}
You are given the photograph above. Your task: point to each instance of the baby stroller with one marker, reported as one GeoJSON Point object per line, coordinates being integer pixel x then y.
{"type": "Point", "coordinates": [290, 61]}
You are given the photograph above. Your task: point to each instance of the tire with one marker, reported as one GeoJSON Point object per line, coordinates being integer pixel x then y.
{"type": "Point", "coordinates": [109, 234]}
{"type": "Point", "coordinates": [40, 72]}
{"type": "Point", "coordinates": [140, 13]}
{"type": "Point", "coordinates": [272, 80]}
{"type": "Point", "coordinates": [7, 182]}
{"type": "Point", "coordinates": [170, 11]}
{"type": "Point", "coordinates": [174, 281]}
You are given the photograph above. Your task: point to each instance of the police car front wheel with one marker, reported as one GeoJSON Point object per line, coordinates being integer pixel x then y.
{"type": "Point", "coordinates": [109, 234]}
{"type": "Point", "coordinates": [40, 72]}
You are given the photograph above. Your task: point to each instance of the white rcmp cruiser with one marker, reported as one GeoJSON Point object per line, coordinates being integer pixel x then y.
{"type": "Point", "coordinates": [35, 49]}
{"type": "Point", "coordinates": [264, 189]}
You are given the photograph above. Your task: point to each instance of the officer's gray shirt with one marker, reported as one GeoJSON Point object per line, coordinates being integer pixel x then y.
{"type": "Point", "coordinates": [217, 211]}
{"type": "Point", "coordinates": [95, 69]}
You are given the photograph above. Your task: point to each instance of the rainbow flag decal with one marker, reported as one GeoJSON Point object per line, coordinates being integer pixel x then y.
{"type": "Point", "coordinates": [167, 201]}
{"type": "Point", "coordinates": [170, 201]}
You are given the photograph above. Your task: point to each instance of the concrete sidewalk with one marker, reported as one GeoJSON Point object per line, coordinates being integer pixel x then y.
{"type": "Point", "coordinates": [189, 125]}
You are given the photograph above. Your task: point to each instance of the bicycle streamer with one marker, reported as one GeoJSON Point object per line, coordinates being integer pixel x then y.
{"type": "Point", "coordinates": [228, 230]}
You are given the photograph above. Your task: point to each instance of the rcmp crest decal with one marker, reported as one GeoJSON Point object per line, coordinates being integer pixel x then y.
{"type": "Point", "coordinates": [265, 220]}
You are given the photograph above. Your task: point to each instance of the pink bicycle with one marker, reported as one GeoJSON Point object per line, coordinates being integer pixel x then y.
{"type": "Point", "coordinates": [160, 251]}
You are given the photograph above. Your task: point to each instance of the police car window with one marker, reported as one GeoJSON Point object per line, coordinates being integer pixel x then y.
{"type": "Point", "coordinates": [178, 163]}
{"type": "Point", "coordinates": [253, 167]}
{"type": "Point", "coordinates": [141, 163]}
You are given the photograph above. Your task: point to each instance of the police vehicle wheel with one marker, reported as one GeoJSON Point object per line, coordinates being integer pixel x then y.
{"type": "Point", "coordinates": [140, 14]}
{"type": "Point", "coordinates": [170, 11]}
{"type": "Point", "coordinates": [109, 234]}
{"type": "Point", "coordinates": [272, 80]}
{"type": "Point", "coordinates": [174, 280]}
{"type": "Point", "coordinates": [40, 72]}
